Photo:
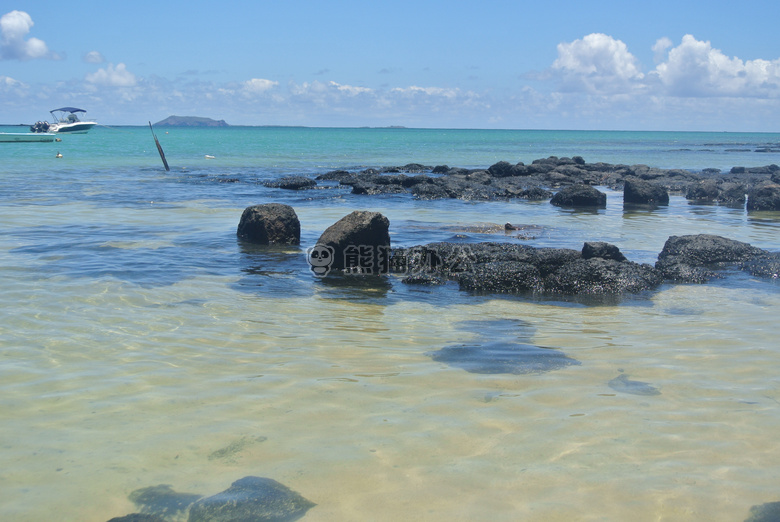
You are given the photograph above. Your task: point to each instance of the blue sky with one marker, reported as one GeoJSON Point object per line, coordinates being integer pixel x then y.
{"type": "Point", "coordinates": [658, 65]}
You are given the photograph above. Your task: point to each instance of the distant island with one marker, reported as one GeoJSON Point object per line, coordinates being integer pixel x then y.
{"type": "Point", "coordinates": [190, 121]}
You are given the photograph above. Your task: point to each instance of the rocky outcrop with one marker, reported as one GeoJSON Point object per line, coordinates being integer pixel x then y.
{"type": "Point", "coordinates": [522, 269]}
{"type": "Point", "coordinates": [292, 183]}
{"type": "Point", "coordinates": [360, 243]}
{"type": "Point", "coordinates": [579, 196]}
{"type": "Point", "coordinates": [766, 196]}
{"type": "Point", "coordinates": [270, 223]}
{"type": "Point", "coordinates": [640, 192]}
{"type": "Point", "coordinates": [695, 258]}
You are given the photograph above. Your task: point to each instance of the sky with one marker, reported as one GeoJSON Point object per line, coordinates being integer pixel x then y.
{"type": "Point", "coordinates": [505, 64]}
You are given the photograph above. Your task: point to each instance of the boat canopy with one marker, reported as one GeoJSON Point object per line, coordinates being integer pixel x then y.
{"type": "Point", "coordinates": [68, 109]}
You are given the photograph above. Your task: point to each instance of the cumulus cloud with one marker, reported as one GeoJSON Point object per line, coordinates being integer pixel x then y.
{"type": "Point", "coordinates": [14, 27]}
{"type": "Point", "coordinates": [695, 68]}
{"type": "Point", "coordinates": [111, 76]}
{"type": "Point", "coordinates": [94, 57]}
{"type": "Point", "coordinates": [660, 47]}
{"type": "Point", "coordinates": [258, 86]}
{"type": "Point", "coordinates": [597, 63]}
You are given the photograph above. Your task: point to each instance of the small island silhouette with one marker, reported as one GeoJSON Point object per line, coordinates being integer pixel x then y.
{"type": "Point", "coordinates": [190, 121]}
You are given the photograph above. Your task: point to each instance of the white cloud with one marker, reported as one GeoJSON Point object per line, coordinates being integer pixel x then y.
{"type": "Point", "coordinates": [660, 47]}
{"type": "Point", "coordinates": [14, 27]}
{"type": "Point", "coordinates": [695, 68]}
{"type": "Point", "coordinates": [597, 63]}
{"type": "Point", "coordinates": [258, 86]}
{"type": "Point", "coordinates": [94, 57]}
{"type": "Point", "coordinates": [112, 76]}
{"type": "Point", "coordinates": [350, 89]}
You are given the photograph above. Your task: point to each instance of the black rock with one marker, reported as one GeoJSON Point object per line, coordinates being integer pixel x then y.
{"type": "Point", "coordinates": [692, 258]}
{"type": "Point", "coordinates": [764, 197]}
{"type": "Point", "coordinates": [292, 183]}
{"type": "Point", "coordinates": [270, 223]}
{"type": "Point", "coordinates": [253, 499]}
{"type": "Point", "coordinates": [641, 192]}
{"type": "Point", "coordinates": [603, 250]}
{"type": "Point", "coordinates": [579, 195]}
{"type": "Point", "coordinates": [767, 265]}
{"type": "Point", "coordinates": [597, 276]}
{"type": "Point", "coordinates": [360, 243]}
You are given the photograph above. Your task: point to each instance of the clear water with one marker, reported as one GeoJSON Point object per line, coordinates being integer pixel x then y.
{"type": "Point", "coordinates": [141, 344]}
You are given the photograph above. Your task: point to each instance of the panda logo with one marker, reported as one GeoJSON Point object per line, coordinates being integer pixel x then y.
{"type": "Point", "coordinates": [320, 259]}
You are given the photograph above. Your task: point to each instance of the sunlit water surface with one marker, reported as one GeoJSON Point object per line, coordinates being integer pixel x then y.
{"type": "Point", "coordinates": [142, 344]}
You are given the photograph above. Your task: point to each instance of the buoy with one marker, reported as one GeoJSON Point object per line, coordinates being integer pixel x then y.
{"type": "Point", "coordinates": [59, 155]}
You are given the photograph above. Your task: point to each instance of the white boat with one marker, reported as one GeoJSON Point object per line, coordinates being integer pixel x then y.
{"type": "Point", "coordinates": [65, 120]}
{"type": "Point", "coordinates": [18, 137]}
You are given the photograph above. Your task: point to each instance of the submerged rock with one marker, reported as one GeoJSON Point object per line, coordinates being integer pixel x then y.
{"type": "Point", "coordinates": [768, 512]}
{"type": "Point", "coordinates": [623, 384]}
{"type": "Point", "coordinates": [162, 501]}
{"type": "Point", "coordinates": [251, 498]}
{"type": "Point", "coordinates": [138, 517]}
{"type": "Point", "coordinates": [500, 349]}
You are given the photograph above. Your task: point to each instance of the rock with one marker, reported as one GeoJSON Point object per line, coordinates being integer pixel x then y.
{"type": "Point", "coordinates": [502, 277]}
{"type": "Point", "coordinates": [251, 498]}
{"type": "Point", "coordinates": [623, 384]}
{"type": "Point", "coordinates": [138, 517]}
{"type": "Point", "coordinates": [502, 169]}
{"type": "Point", "coordinates": [360, 243]}
{"type": "Point", "coordinates": [502, 346]}
{"type": "Point", "coordinates": [764, 197]}
{"type": "Point", "coordinates": [522, 269]}
{"type": "Point", "coordinates": [292, 183]}
{"type": "Point", "coordinates": [641, 192]}
{"type": "Point", "coordinates": [767, 265]}
{"type": "Point", "coordinates": [704, 190]}
{"type": "Point", "coordinates": [691, 258]}
{"type": "Point", "coordinates": [597, 276]}
{"type": "Point", "coordinates": [579, 195]}
{"type": "Point", "coordinates": [603, 250]}
{"type": "Point", "coordinates": [270, 223]}
{"type": "Point", "coordinates": [162, 501]}
{"type": "Point", "coordinates": [768, 512]}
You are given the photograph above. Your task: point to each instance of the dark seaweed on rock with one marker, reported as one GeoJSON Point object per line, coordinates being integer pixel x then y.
{"type": "Point", "coordinates": [522, 269]}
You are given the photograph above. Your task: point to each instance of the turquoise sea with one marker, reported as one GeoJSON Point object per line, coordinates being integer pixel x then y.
{"type": "Point", "coordinates": [142, 344]}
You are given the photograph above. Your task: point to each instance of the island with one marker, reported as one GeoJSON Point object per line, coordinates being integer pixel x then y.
{"type": "Point", "coordinates": [190, 121]}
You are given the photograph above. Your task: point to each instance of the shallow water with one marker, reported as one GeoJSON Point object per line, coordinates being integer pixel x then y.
{"type": "Point", "coordinates": [142, 344]}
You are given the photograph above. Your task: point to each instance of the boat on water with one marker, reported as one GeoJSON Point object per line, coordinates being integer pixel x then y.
{"type": "Point", "coordinates": [66, 119]}
{"type": "Point", "coordinates": [19, 137]}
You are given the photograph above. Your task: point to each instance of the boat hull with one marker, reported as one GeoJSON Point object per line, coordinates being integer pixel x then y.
{"type": "Point", "coordinates": [73, 128]}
